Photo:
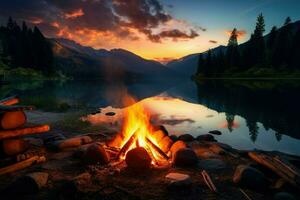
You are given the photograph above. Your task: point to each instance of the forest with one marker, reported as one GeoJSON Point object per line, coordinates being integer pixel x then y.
{"type": "Point", "coordinates": [24, 50]}
{"type": "Point", "coordinates": [275, 53]}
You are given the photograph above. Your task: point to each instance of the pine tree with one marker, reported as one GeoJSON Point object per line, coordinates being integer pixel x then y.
{"type": "Point", "coordinates": [288, 20]}
{"type": "Point", "coordinates": [258, 43]}
{"type": "Point", "coordinates": [271, 44]}
{"type": "Point", "coordinates": [233, 55]}
{"type": "Point", "coordinates": [201, 63]}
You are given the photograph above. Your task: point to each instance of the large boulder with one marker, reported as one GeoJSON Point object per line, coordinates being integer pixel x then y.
{"type": "Point", "coordinates": [185, 158]}
{"type": "Point", "coordinates": [186, 138]}
{"type": "Point", "coordinates": [250, 177]}
{"type": "Point", "coordinates": [96, 154]}
{"type": "Point", "coordinates": [138, 159]}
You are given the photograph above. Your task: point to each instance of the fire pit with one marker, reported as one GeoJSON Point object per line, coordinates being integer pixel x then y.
{"type": "Point", "coordinates": [141, 142]}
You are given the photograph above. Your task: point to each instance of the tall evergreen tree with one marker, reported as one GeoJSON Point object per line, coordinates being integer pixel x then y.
{"type": "Point", "coordinates": [233, 55]}
{"type": "Point", "coordinates": [258, 43]}
{"type": "Point", "coordinates": [287, 21]}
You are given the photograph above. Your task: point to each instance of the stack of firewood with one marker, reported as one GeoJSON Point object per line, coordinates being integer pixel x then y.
{"type": "Point", "coordinates": [13, 127]}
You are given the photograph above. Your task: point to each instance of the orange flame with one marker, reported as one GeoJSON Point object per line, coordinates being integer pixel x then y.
{"type": "Point", "coordinates": [137, 122]}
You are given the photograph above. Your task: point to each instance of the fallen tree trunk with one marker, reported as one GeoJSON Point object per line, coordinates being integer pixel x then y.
{"type": "Point", "coordinates": [281, 167]}
{"type": "Point", "coordinates": [5, 134]}
{"type": "Point", "coordinates": [9, 101]}
{"type": "Point", "coordinates": [12, 120]}
{"type": "Point", "coordinates": [22, 165]}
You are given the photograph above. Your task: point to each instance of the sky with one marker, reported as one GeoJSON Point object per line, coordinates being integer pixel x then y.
{"type": "Point", "coordinates": [153, 29]}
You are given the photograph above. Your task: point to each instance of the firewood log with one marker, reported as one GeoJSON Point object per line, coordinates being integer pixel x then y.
{"type": "Point", "coordinates": [4, 108]}
{"type": "Point", "coordinates": [14, 146]}
{"type": "Point", "coordinates": [5, 134]}
{"type": "Point", "coordinates": [9, 101]}
{"type": "Point", "coordinates": [22, 164]}
{"type": "Point", "coordinates": [12, 120]}
{"type": "Point", "coordinates": [281, 167]}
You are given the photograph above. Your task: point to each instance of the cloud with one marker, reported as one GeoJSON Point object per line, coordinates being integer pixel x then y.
{"type": "Point", "coordinates": [213, 41]}
{"type": "Point", "coordinates": [126, 19]}
{"type": "Point", "coordinates": [240, 33]}
{"type": "Point", "coordinates": [175, 34]}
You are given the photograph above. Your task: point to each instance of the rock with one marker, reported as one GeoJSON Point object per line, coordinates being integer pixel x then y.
{"type": "Point", "coordinates": [178, 181]}
{"type": "Point", "coordinates": [174, 138]}
{"type": "Point", "coordinates": [110, 113]}
{"type": "Point", "coordinates": [215, 148]}
{"type": "Point", "coordinates": [158, 135]}
{"type": "Point", "coordinates": [28, 184]}
{"type": "Point", "coordinates": [165, 144]}
{"type": "Point", "coordinates": [138, 159]}
{"type": "Point", "coordinates": [212, 164]}
{"type": "Point", "coordinates": [284, 196]}
{"type": "Point", "coordinates": [203, 151]}
{"type": "Point", "coordinates": [177, 146]}
{"type": "Point", "coordinates": [215, 132]}
{"type": "Point", "coordinates": [185, 158]}
{"type": "Point", "coordinates": [206, 137]}
{"type": "Point", "coordinates": [186, 138]}
{"type": "Point", "coordinates": [96, 154]}
{"type": "Point", "coordinates": [250, 177]}
{"type": "Point", "coordinates": [83, 179]}
{"type": "Point", "coordinates": [12, 147]}
{"type": "Point", "coordinates": [162, 128]}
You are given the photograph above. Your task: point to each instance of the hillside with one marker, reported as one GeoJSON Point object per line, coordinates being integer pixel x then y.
{"type": "Point", "coordinates": [188, 65]}
{"type": "Point", "coordinates": [75, 58]}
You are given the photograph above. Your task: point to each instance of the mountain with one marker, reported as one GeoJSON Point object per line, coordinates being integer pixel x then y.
{"type": "Point", "coordinates": [187, 65]}
{"type": "Point", "coordinates": [116, 62]}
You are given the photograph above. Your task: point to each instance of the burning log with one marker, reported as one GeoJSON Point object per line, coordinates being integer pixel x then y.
{"type": "Point", "coordinates": [5, 134]}
{"type": "Point", "coordinates": [9, 101]}
{"type": "Point", "coordinates": [12, 120]}
{"type": "Point", "coordinates": [157, 149]}
{"type": "Point", "coordinates": [22, 164]}
{"type": "Point", "coordinates": [127, 145]}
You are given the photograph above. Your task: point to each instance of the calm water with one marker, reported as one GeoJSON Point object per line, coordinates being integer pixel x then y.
{"type": "Point", "coordinates": [250, 114]}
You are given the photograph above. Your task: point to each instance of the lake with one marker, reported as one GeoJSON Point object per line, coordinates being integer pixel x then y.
{"type": "Point", "coordinates": [250, 114]}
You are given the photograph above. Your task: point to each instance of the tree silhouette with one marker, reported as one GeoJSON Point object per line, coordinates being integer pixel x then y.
{"type": "Point", "coordinates": [232, 50]}
{"type": "Point", "coordinates": [258, 43]}
{"type": "Point", "coordinates": [253, 129]}
{"type": "Point", "coordinates": [288, 20]}
{"type": "Point", "coordinates": [230, 121]}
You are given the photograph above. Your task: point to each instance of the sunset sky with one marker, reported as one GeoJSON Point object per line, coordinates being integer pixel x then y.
{"type": "Point", "coordinates": [154, 29]}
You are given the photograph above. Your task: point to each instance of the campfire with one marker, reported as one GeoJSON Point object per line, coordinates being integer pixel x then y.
{"type": "Point", "coordinates": [138, 134]}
